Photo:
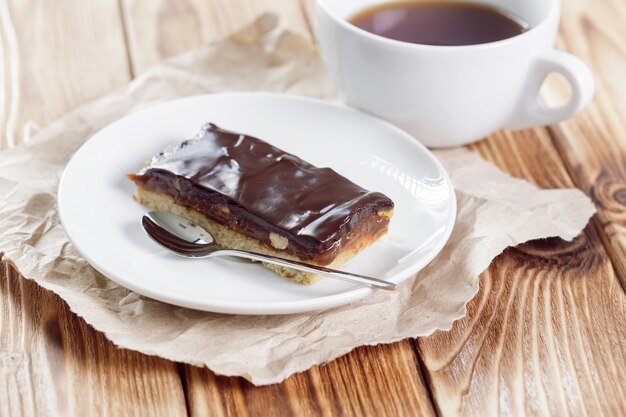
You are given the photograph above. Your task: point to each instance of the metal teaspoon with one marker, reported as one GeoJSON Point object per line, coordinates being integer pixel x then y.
{"type": "Point", "coordinates": [187, 239]}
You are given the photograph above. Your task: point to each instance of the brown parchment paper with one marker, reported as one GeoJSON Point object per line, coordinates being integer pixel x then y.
{"type": "Point", "coordinates": [494, 211]}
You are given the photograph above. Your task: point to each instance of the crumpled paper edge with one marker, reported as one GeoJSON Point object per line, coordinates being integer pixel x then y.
{"type": "Point", "coordinates": [82, 308]}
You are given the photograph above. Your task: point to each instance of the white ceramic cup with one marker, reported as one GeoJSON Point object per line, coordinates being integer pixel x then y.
{"type": "Point", "coordinates": [452, 95]}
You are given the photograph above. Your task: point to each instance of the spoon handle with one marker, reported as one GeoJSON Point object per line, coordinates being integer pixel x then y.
{"type": "Point", "coordinates": [301, 266]}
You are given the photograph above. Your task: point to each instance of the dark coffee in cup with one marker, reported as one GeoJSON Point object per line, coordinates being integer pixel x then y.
{"type": "Point", "coordinates": [444, 23]}
{"type": "Point", "coordinates": [408, 73]}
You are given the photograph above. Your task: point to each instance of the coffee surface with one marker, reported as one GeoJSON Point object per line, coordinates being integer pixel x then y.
{"type": "Point", "coordinates": [444, 23]}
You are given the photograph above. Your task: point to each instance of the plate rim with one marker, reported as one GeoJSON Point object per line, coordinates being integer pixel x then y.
{"type": "Point", "coordinates": [258, 308]}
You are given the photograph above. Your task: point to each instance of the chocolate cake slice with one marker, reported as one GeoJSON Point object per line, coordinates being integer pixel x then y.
{"type": "Point", "coordinates": [253, 196]}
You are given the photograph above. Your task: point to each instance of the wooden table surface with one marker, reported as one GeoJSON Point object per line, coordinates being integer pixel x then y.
{"type": "Point", "coordinates": [545, 336]}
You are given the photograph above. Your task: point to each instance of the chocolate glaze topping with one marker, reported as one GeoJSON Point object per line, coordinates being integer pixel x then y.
{"type": "Point", "coordinates": [267, 188]}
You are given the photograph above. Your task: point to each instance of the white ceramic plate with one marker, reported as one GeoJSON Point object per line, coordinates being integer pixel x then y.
{"type": "Point", "coordinates": [103, 221]}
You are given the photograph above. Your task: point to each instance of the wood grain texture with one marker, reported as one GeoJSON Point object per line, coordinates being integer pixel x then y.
{"type": "Point", "coordinates": [540, 338]}
{"type": "Point", "coordinates": [53, 364]}
{"type": "Point", "coordinates": [371, 381]}
{"type": "Point", "coordinates": [593, 145]}
{"type": "Point", "coordinates": [161, 28]}
{"type": "Point", "coordinates": [546, 335]}
{"type": "Point", "coordinates": [53, 56]}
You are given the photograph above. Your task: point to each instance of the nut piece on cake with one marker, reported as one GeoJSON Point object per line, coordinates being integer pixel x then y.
{"type": "Point", "coordinates": [253, 196]}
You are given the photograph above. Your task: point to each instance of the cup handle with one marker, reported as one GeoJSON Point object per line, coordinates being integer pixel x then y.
{"type": "Point", "coordinates": [532, 112]}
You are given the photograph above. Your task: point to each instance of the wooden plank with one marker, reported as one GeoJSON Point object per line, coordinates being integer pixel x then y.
{"type": "Point", "coordinates": [370, 381]}
{"type": "Point", "coordinates": [376, 381]}
{"type": "Point", "coordinates": [546, 335]}
{"type": "Point", "coordinates": [55, 55]}
{"type": "Point", "coordinates": [540, 339]}
{"type": "Point", "coordinates": [161, 28]}
{"type": "Point", "coordinates": [593, 145]}
{"type": "Point", "coordinates": [53, 364]}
